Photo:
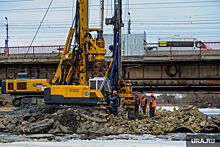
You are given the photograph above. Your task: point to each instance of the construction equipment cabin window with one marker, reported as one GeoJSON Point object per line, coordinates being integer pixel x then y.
{"type": "Point", "coordinates": [10, 86]}
{"type": "Point", "coordinates": [92, 84]}
{"type": "Point", "coordinates": [21, 86]}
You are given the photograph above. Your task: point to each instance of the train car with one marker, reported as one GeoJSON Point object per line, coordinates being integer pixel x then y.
{"type": "Point", "coordinates": [178, 42]}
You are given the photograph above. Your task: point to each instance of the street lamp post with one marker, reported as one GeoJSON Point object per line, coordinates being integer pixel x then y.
{"type": "Point", "coordinates": [6, 31]}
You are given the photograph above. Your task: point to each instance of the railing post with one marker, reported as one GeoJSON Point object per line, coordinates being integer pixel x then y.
{"type": "Point", "coordinates": [171, 48]}
{"type": "Point", "coordinates": [33, 50]}
{"type": "Point", "coordinates": [59, 50]}
{"type": "Point", "coordinates": [200, 47]}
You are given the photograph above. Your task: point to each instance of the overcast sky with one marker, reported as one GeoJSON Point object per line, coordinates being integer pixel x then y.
{"type": "Point", "coordinates": [200, 18]}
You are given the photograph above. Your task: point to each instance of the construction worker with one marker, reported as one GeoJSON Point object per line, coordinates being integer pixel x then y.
{"type": "Point", "coordinates": [137, 102]}
{"type": "Point", "coordinates": [143, 104]}
{"type": "Point", "coordinates": [152, 105]}
{"type": "Point", "coordinates": [114, 102]}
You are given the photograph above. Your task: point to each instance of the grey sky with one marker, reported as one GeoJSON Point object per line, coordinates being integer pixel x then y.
{"type": "Point", "coordinates": [159, 17]}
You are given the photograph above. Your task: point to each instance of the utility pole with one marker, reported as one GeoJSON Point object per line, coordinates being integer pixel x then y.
{"type": "Point", "coordinates": [102, 13]}
{"type": "Point", "coordinates": [129, 24]}
{"type": "Point", "coordinates": [6, 31]}
{"type": "Point", "coordinates": [119, 39]}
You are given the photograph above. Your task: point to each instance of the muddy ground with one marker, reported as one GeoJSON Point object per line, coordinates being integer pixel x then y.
{"type": "Point", "coordinates": [53, 119]}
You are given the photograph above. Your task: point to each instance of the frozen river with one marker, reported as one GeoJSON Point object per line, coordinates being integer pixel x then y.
{"type": "Point", "coordinates": [95, 143]}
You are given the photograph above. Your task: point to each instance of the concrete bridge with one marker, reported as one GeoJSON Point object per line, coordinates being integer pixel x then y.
{"type": "Point", "coordinates": [159, 72]}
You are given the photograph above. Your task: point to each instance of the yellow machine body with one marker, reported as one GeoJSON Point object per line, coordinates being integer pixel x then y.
{"type": "Point", "coordinates": [72, 94]}
{"type": "Point", "coordinates": [26, 86]}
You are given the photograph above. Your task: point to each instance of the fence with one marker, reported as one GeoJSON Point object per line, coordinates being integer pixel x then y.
{"type": "Point", "coordinates": [33, 50]}
{"type": "Point", "coordinates": [57, 50]}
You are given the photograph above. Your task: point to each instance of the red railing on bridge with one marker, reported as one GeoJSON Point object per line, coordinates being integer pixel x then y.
{"type": "Point", "coordinates": [204, 48]}
{"type": "Point", "coordinates": [27, 50]}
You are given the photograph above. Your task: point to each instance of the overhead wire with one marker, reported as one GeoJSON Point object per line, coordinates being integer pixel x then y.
{"type": "Point", "coordinates": [165, 3]}
{"type": "Point", "coordinates": [139, 19]}
{"type": "Point", "coordinates": [36, 32]}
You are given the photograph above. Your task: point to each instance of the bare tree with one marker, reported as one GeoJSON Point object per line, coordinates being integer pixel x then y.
{"type": "Point", "coordinates": [201, 100]}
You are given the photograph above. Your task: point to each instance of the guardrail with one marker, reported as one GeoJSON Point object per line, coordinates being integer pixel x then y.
{"type": "Point", "coordinates": [183, 48]}
{"type": "Point", "coordinates": [174, 48]}
{"type": "Point", "coordinates": [27, 50]}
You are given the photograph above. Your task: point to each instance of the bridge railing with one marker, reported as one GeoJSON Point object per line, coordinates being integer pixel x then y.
{"type": "Point", "coordinates": [183, 48]}
{"type": "Point", "coordinates": [56, 50]}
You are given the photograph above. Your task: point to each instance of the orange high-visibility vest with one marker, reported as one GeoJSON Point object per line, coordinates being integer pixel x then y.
{"type": "Point", "coordinates": [153, 103]}
{"type": "Point", "coordinates": [143, 102]}
{"type": "Point", "coordinates": [138, 100]}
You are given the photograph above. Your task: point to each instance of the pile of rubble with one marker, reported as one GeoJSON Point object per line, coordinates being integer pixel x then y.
{"type": "Point", "coordinates": [54, 120]}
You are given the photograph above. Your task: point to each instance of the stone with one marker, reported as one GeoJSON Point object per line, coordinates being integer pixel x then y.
{"type": "Point", "coordinates": [10, 127]}
{"type": "Point", "coordinates": [17, 128]}
{"type": "Point", "coordinates": [95, 113]}
{"type": "Point", "coordinates": [137, 131]}
{"type": "Point", "coordinates": [78, 118]}
{"type": "Point", "coordinates": [32, 119]}
{"type": "Point", "coordinates": [133, 127]}
{"type": "Point", "coordinates": [56, 124]}
{"type": "Point", "coordinates": [13, 122]}
{"type": "Point", "coordinates": [121, 130]}
{"type": "Point", "coordinates": [43, 140]}
{"type": "Point", "coordinates": [171, 118]}
{"type": "Point", "coordinates": [194, 126]}
{"type": "Point", "coordinates": [59, 112]}
{"type": "Point", "coordinates": [99, 120]}
{"type": "Point", "coordinates": [81, 130]}
{"type": "Point", "coordinates": [38, 127]}
{"type": "Point", "coordinates": [2, 127]}
{"type": "Point", "coordinates": [113, 132]}
{"type": "Point", "coordinates": [27, 116]}
{"type": "Point", "coordinates": [166, 130]}
{"type": "Point", "coordinates": [189, 107]}
{"type": "Point", "coordinates": [24, 123]}
{"type": "Point", "coordinates": [216, 120]}
{"type": "Point", "coordinates": [171, 129]}
{"type": "Point", "coordinates": [92, 129]}
{"type": "Point", "coordinates": [39, 136]}
{"type": "Point", "coordinates": [203, 123]}
{"type": "Point", "coordinates": [64, 129]}
{"type": "Point", "coordinates": [56, 131]}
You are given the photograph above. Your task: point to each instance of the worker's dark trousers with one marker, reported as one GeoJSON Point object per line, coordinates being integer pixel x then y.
{"type": "Point", "coordinates": [144, 110]}
{"type": "Point", "coordinates": [152, 109]}
{"type": "Point", "coordinates": [136, 108]}
{"type": "Point", "coordinates": [115, 110]}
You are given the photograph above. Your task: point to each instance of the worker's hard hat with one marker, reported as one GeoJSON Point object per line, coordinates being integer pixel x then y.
{"type": "Point", "coordinates": [114, 91]}
{"type": "Point", "coordinates": [136, 94]}
{"type": "Point", "coordinates": [152, 94]}
{"type": "Point", "coordinates": [142, 96]}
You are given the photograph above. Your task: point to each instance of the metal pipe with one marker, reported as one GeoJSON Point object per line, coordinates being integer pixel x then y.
{"type": "Point", "coordinates": [102, 13]}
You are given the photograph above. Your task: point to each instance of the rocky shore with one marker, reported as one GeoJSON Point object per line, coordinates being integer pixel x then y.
{"type": "Point", "coordinates": [66, 120]}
